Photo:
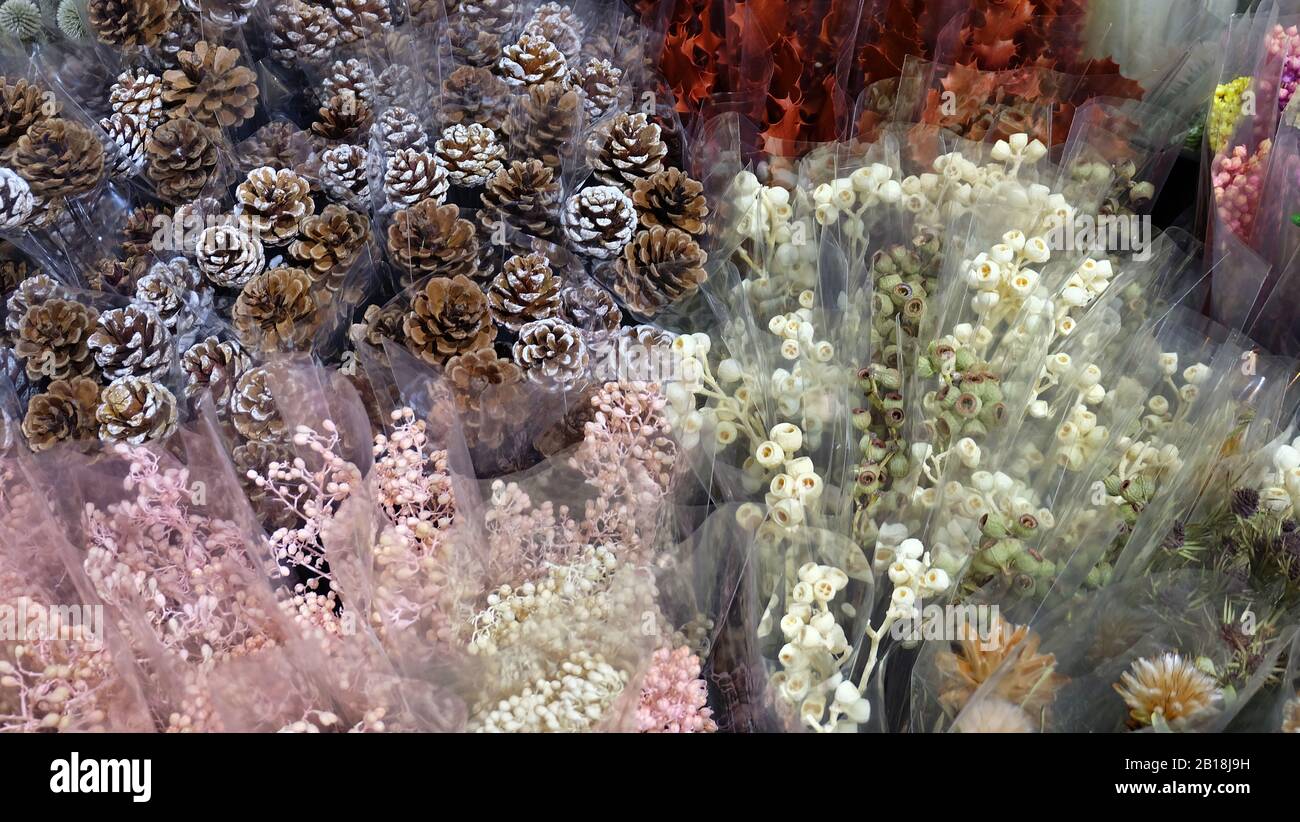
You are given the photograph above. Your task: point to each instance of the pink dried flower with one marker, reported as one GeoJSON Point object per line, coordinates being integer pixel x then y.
{"type": "Point", "coordinates": [1238, 179]}
{"type": "Point", "coordinates": [673, 696]}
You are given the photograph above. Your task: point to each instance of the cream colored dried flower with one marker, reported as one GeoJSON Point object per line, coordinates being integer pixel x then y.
{"type": "Point", "coordinates": [994, 716]}
{"type": "Point", "coordinates": [1169, 686]}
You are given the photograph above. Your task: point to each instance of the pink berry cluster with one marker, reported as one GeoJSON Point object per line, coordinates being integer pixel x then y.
{"type": "Point", "coordinates": [1284, 44]}
{"type": "Point", "coordinates": [1238, 178]}
{"type": "Point", "coordinates": [673, 696]}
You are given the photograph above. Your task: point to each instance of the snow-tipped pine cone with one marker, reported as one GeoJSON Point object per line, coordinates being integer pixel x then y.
{"type": "Point", "coordinates": [627, 149]}
{"type": "Point", "coordinates": [229, 256]}
{"type": "Point", "coordinates": [182, 159]}
{"type": "Point", "coordinates": [33, 290]}
{"type": "Point", "coordinates": [659, 267]}
{"type": "Point", "coordinates": [345, 117]}
{"type": "Point", "coordinates": [274, 201]}
{"type": "Point", "coordinates": [351, 76]}
{"type": "Point", "coordinates": [179, 305]}
{"type": "Point", "coordinates": [545, 124]}
{"type": "Point", "coordinates": [213, 366]}
{"type": "Point", "coordinates": [52, 339]}
{"type": "Point", "coordinates": [672, 199]}
{"type": "Point", "coordinates": [135, 410]}
{"type": "Point", "coordinates": [431, 239]}
{"type": "Point", "coordinates": [590, 308]}
{"type": "Point", "coordinates": [211, 87]}
{"type": "Point", "coordinates": [411, 176]}
{"type": "Point", "coordinates": [65, 412]}
{"type": "Point", "coordinates": [599, 221]}
{"type": "Point", "coordinates": [301, 32]}
{"type": "Point", "coordinates": [470, 154]}
{"type": "Point", "coordinates": [57, 158]}
{"type": "Point", "coordinates": [525, 290]}
{"type": "Point", "coordinates": [138, 93]}
{"type": "Point", "coordinates": [125, 154]}
{"type": "Point", "coordinates": [359, 19]}
{"type": "Point", "coordinates": [448, 316]}
{"type": "Point", "coordinates": [225, 13]}
{"type": "Point", "coordinates": [531, 61]}
{"type": "Point", "coordinates": [398, 129]}
{"type": "Point", "coordinates": [253, 409]}
{"type": "Point", "coordinates": [600, 83]}
{"type": "Point", "coordinates": [560, 33]}
{"type": "Point", "coordinates": [128, 23]}
{"type": "Point", "coordinates": [331, 240]}
{"type": "Point", "coordinates": [488, 395]}
{"type": "Point", "coordinates": [473, 94]}
{"type": "Point", "coordinates": [526, 196]}
{"type": "Point", "coordinates": [132, 341]}
{"type": "Point", "coordinates": [16, 200]}
{"type": "Point", "coordinates": [552, 352]}
{"type": "Point", "coordinates": [277, 311]}
{"type": "Point", "coordinates": [343, 176]}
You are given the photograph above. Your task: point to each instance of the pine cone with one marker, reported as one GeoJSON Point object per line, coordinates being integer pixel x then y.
{"type": "Point", "coordinates": [51, 339]}
{"type": "Point", "coordinates": [182, 159]}
{"type": "Point", "coordinates": [526, 196]}
{"type": "Point", "coordinates": [279, 144]}
{"type": "Point", "coordinates": [343, 176]}
{"type": "Point", "coordinates": [301, 32]}
{"type": "Point", "coordinates": [126, 154]}
{"type": "Point", "coordinates": [331, 240]}
{"type": "Point", "coordinates": [551, 351]}
{"type": "Point", "coordinates": [58, 158]}
{"type": "Point", "coordinates": [344, 117]}
{"type": "Point", "coordinates": [258, 456]}
{"type": "Point", "coordinates": [276, 310]}
{"type": "Point", "coordinates": [184, 34]}
{"type": "Point", "coordinates": [496, 16]}
{"type": "Point", "coordinates": [132, 341]}
{"type": "Point", "coordinates": [470, 154]}
{"type": "Point", "coordinates": [397, 85]}
{"type": "Point", "coordinates": [545, 124]}
{"type": "Point", "coordinates": [600, 83]}
{"type": "Point", "coordinates": [253, 409]}
{"type": "Point", "coordinates": [33, 290]}
{"type": "Point", "coordinates": [431, 239]}
{"type": "Point", "coordinates": [671, 199]}
{"type": "Point", "coordinates": [557, 14]}
{"type": "Point", "coordinates": [116, 274]}
{"type": "Point", "coordinates": [176, 304]}
{"type": "Point", "coordinates": [14, 268]}
{"type": "Point", "coordinates": [411, 176]}
{"type": "Point", "coordinates": [213, 366]}
{"type": "Point", "coordinates": [488, 395]}
{"type": "Point", "coordinates": [137, 232]}
{"type": "Point", "coordinates": [448, 316]}
{"type": "Point", "coordinates": [135, 410]}
{"type": "Point", "coordinates": [473, 94]}
{"type": "Point", "coordinates": [359, 19]}
{"type": "Point", "coordinates": [349, 76]}
{"type": "Point", "coordinates": [211, 87]}
{"type": "Point", "coordinates": [472, 46]}
{"type": "Point", "coordinates": [524, 291]}
{"type": "Point", "coordinates": [599, 221]}
{"type": "Point", "coordinates": [556, 29]}
{"type": "Point", "coordinates": [225, 13]}
{"type": "Point", "coordinates": [22, 105]}
{"type": "Point", "coordinates": [138, 93]}
{"type": "Point", "coordinates": [398, 129]}
{"type": "Point", "coordinates": [381, 323]}
{"type": "Point", "coordinates": [130, 23]}
{"type": "Point", "coordinates": [658, 268]}
{"type": "Point", "coordinates": [64, 413]}
{"type": "Point", "coordinates": [627, 149]}
{"type": "Point", "coordinates": [590, 308]}
{"type": "Point", "coordinates": [16, 200]}
{"type": "Point", "coordinates": [229, 256]}
{"type": "Point", "coordinates": [531, 61]}
{"type": "Point", "coordinates": [274, 202]}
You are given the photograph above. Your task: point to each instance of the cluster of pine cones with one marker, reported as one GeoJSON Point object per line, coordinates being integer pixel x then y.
{"type": "Point", "coordinates": [489, 187]}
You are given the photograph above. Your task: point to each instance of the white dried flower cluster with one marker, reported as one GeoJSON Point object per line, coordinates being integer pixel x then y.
{"type": "Point", "coordinates": [1281, 482]}
{"type": "Point", "coordinates": [816, 646]}
{"type": "Point", "coordinates": [956, 533]}
{"type": "Point", "coordinates": [957, 184]}
{"type": "Point", "coordinates": [847, 199]}
{"type": "Point", "coordinates": [574, 699]}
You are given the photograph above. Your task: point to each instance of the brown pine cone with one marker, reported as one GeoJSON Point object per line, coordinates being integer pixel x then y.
{"type": "Point", "coordinates": [22, 105]}
{"type": "Point", "coordinates": [555, 13]}
{"type": "Point", "coordinates": [352, 76]}
{"type": "Point", "coordinates": [137, 232]}
{"type": "Point", "coordinates": [213, 366]}
{"type": "Point", "coordinates": [398, 129]}
{"type": "Point", "coordinates": [33, 290]}
{"type": "Point", "coordinates": [177, 305]}
{"type": "Point", "coordinates": [600, 83]}
{"type": "Point", "coordinates": [545, 124]}
{"type": "Point", "coordinates": [132, 341]}
{"type": "Point", "coordinates": [524, 291]}
{"type": "Point", "coordinates": [470, 154]}
{"type": "Point", "coordinates": [496, 16]}
{"type": "Point", "coordinates": [359, 19]}
{"type": "Point", "coordinates": [448, 316]}
{"type": "Point", "coordinates": [488, 395]}
{"type": "Point", "coordinates": [331, 240]}
{"type": "Point", "coordinates": [381, 323]}
{"type": "Point", "coordinates": [190, 219]}
{"type": "Point", "coordinates": [64, 413]}
{"type": "Point", "coordinates": [344, 118]}
{"type": "Point", "coordinates": [138, 93]}
{"type": "Point", "coordinates": [225, 13]}
{"type": "Point", "coordinates": [130, 23]}
{"type": "Point", "coordinates": [211, 87]}
{"type": "Point", "coordinates": [599, 221]}
{"type": "Point", "coordinates": [472, 94]}
{"type": "Point", "coordinates": [183, 34]}
{"type": "Point", "coordinates": [276, 310]}
{"type": "Point", "coordinates": [274, 201]}
{"type": "Point", "coordinates": [658, 268]}
{"type": "Point", "coordinates": [590, 308]}
{"type": "Point", "coordinates": [343, 176]}
{"type": "Point", "coordinates": [135, 410]}
{"type": "Point", "coordinates": [258, 456]}
{"type": "Point", "coordinates": [58, 158]}
{"type": "Point", "coordinates": [279, 144]}
{"type": "Point", "coordinates": [182, 159]}
{"type": "Point", "coordinates": [125, 152]}
{"type": "Point", "coordinates": [551, 351]}
{"type": "Point", "coordinates": [253, 410]}
{"type": "Point", "coordinates": [531, 61]}
{"type": "Point", "coordinates": [525, 195]}
{"type": "Point", "coordinates": [627, 149]}
{"type": "Point", "coordinates": [116, 274]}
{"type": "Point", "coordinates": [431, 239]}
{"type": "Point", "coordinates": [16, 200]}
{"type": "Point", "coordinates": [411, 176]}
{"type": "Point", "coordinates": [473, 46]}
{"type": "Point", "coordinates": [557, 30]}
{"type": "Point", "coordinates": [52, 339]}
{"type": "Point", "coordinates": [671, 199]}
{"type": "Point", "coordinates": [14, 267]}
{"type": "Point", "coordinates": [229, 256]}
{"type": "Point", "coordinates": [301, 32]}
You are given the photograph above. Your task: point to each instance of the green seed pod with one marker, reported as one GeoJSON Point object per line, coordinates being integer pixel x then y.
{"type": "Point", "coordinates": [967, 405]}
{"type": "Point", "coordinates": [994, 526]}
{"type": "Point", "coordinates": [1024, 526]}
{"type": "Point", "coordinates": [899, 466]}
{"type": "Point", "coordinates": [887, 378]}
{"type": "Point", "coordinates": [965, 360]}
{"type": "Point", "coordinates": [862, 419]}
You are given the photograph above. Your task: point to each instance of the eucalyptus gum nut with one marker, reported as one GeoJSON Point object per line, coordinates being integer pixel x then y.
{"type": "Point", "coordinates": [882, 305]}
{"type": "Point", "coordinates": [994, 526]}
{"type": "Point", "coordinates": [965, 360]}
{"type": "Point", "coordinates": [898, 466]}
{"type": "Point", "coordinates": [1138, 490]}
{"type": "Point", "coordinates": [891, 399]}
{"type": "Point", "coordinates": [1005, 551]}
{"type": "Point", "coordinates": [914, 308]}
{"type": "Point", "coordinates": [888, 378]}
{"type": "Point", "coordinates": [862, 421]}
{"type": "Point", "coordinates": [992, 414]}
{"type": "Point", "coordinates": [974, 428]}
{"type": "Point", "coordinates": [886, 283]}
